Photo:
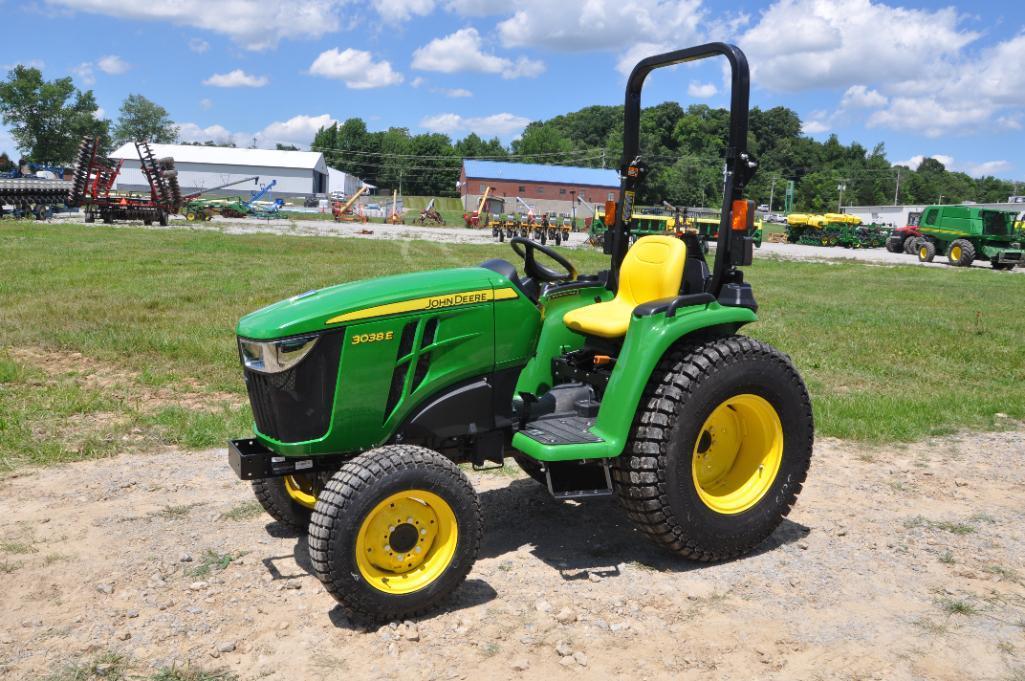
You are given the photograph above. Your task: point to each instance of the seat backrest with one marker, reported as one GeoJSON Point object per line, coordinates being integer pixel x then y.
{"type": "Point", "coordinates": [652, 269]}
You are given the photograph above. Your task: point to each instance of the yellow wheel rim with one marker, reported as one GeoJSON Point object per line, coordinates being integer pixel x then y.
{"type": "Point", "coordinates": [406, 542]}
{"type": "Point", "coordinates": [738, 454]}
{"type": "Point", "coordinates": [301, 491]}
{"type": "Point", "coordinates": [923, 253]}
{"type": "Point", "coordinates": [955, 253]}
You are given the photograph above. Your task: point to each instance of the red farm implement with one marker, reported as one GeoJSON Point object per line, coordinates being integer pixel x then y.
{"type": "Point", "coordinates": [93, 182]}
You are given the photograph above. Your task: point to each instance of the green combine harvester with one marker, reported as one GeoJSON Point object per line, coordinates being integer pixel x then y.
{"type": "Point", "coordinates": [969, 233]}
{"type": "Point", "coordinates": [632, 381]}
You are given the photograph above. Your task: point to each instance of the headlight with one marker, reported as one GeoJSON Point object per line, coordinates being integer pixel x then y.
{"type": "Point", "coordinates": [271, 357]}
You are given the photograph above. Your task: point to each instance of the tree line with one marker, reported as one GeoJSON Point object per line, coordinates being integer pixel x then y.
{"type": "Point", "coordinates": [684, 149]}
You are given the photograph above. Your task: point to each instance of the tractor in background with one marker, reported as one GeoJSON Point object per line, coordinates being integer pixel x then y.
{"type": "Point", "coordinates": [902, 240]}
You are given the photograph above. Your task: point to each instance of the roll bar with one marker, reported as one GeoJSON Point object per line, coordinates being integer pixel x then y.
{"type": "Point", "coordinates": [733, 248]}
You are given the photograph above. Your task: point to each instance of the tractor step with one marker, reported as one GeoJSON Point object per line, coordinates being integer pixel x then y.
{"type": "Point", "coordinates": [578, 480]}
{"type": "Point", "coordinates": [561, 430]}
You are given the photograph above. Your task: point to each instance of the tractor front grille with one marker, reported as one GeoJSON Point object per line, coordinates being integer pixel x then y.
{"type": "Point", "coordinates": [296, 405]}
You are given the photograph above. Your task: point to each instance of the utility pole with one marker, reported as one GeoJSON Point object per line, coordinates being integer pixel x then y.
{"type": "Point", "coordinates": [603, 159]}
{"type": "Point", "coordinates": [940, 200]}
{"type": "Point", "coordinates": [772, 193]}
{"type": "Point", "coordinates": [839, 204]}
{"type": "Point", "coordinates": [896, 192]}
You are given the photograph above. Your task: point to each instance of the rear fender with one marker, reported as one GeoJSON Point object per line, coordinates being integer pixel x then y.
{"type": "Point", "coordinates": [647, 340]}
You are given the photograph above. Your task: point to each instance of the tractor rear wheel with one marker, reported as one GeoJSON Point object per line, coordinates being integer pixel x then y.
{"type": "Point", "coordinates": [289, 499]}
{"type": "Point", "coordinates": [720, 448]}
{"type": "Point", "coordinates": [911, 245]}
{"type": "Point", "coordinates": [894, 245]}
{"type": "Point", "coordinates": [926, 250]}
{"type": "Point", "coordinates": [394, 532]}
{"type": "Point", "coordinates": [961, 253]}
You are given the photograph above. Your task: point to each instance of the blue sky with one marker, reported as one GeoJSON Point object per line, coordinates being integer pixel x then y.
{"type": "Point", "coordinates": [926, 78]}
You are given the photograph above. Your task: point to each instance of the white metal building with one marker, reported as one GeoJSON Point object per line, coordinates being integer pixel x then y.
{"type": "Point", "coordinates": [298, 173]}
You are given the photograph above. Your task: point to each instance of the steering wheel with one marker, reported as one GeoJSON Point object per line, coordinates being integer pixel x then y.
{"type": "Point", "coordinates": [525, 249]}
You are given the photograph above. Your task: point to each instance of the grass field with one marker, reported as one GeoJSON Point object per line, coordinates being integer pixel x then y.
{"type": "Point", "coordinates": [119, 339]}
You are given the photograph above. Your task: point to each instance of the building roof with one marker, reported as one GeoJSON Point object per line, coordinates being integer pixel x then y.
{"type": "Point", "coordinates": [232, 156]}
{"type": "Point", "coordinates": [536, 172]}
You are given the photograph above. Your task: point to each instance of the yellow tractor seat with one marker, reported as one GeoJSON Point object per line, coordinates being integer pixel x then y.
{"type": "Point", "coordinates": [651, 270]}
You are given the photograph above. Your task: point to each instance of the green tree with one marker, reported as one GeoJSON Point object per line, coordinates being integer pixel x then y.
{"type": "Point", "coordinates": [6, 164]}
{"type": "Point", "coordinates": [286, 147]}
{"type": "Point", "coordinates": [540, 138]}
{"type": "Point", "coordinates": [472, 146]}
{"type": "Point", "coordinates": [141, 120]}
{"type": "Point", "coordinates": [49, 118]}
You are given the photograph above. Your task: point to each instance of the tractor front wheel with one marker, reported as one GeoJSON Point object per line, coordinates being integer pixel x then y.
{"type": "Point", "coordinates": [394, 532]}
{"type": "Point", "coordinates": [288, 499]}
{"type": "Point", "coordinates": [719, 450]}
{"type": "Point", "coordinates": [911, 245]}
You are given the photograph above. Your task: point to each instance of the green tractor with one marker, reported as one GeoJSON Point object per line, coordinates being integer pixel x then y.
{"type": "Point", "coordinates": [631, 382]}
{"type": "Point", "coordinates": [969, 233]}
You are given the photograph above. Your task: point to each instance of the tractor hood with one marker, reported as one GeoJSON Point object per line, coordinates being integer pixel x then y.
{"type": "Point", "coordinates": [336, 306]}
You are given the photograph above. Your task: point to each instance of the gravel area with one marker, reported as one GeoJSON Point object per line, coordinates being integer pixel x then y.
{"type": "Point", "coordinates": [902, 562]}
{"type": "Point", "coordinates": [879, 256]}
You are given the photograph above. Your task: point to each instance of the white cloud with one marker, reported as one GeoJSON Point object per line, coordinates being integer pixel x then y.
{"type": "Point", "coordinates": [30, 63]}
{"type": "Point", "coordinates": [916, 161]}
{"type": "Point", "coordinates": [808, 44]}
{"type": "Point", "coordinates": [198, 45]}
{"type": "Point", "coordinates": [254, 24]}
{"type": "Point", "coordinates": [455, 92]}
{"type": "Point", "coordinates": [599, 25]}
{"type": "Point", "coordinates": [85, 73]}
{"type": "Point", "coordinates": [988, 168]}
{"type": "Point", "coordinates": [206, 103]}
{"type": "Point", "coordinates": [973, 168]}
{"type": "Point", "coordinates": [236, 78]}
{"type": "Point", "coordinates": [113, 65]}
{"type": "Point", "coordinates": [638, 51]}
{"type": "Point", "coordinates": [463, 51]}
{"type": "Point", "coordinates": [971, 96]}
{"type": "Point", "coordinates": [297, 130]}
{"type": "Point", "coordinates": [100, 113]}
{"type": "Point", "coordinates": [477, 8]}
{"type": "Point", "coordinates": [418, 81]}
{"type": "Point", "coordinates": [356, 68]}
{"type": "Point", "coordinates": [702, 90]}
{"type": "Point", "coordinates": [932, 116]}
{"type": "Point", "coordinates": [502, 124]}
{"type": "Point", "coordinates": [190, 132]}
{"type": "Point", "coordinates": [860, 97]}
{"type": "Point", "coordinates": [401, 10]}
{"type": "Point", "coordinates": [814, 127]}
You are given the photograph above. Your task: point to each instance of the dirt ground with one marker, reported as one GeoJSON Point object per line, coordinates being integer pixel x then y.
{"type": "Point", "coordinates": [897, 563]}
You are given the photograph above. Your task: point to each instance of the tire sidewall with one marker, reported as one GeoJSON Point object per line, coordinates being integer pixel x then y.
{"type": "Point", "coordinates": [367, 495]}
{"type": "Point", "coordinates": [774, 384]}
